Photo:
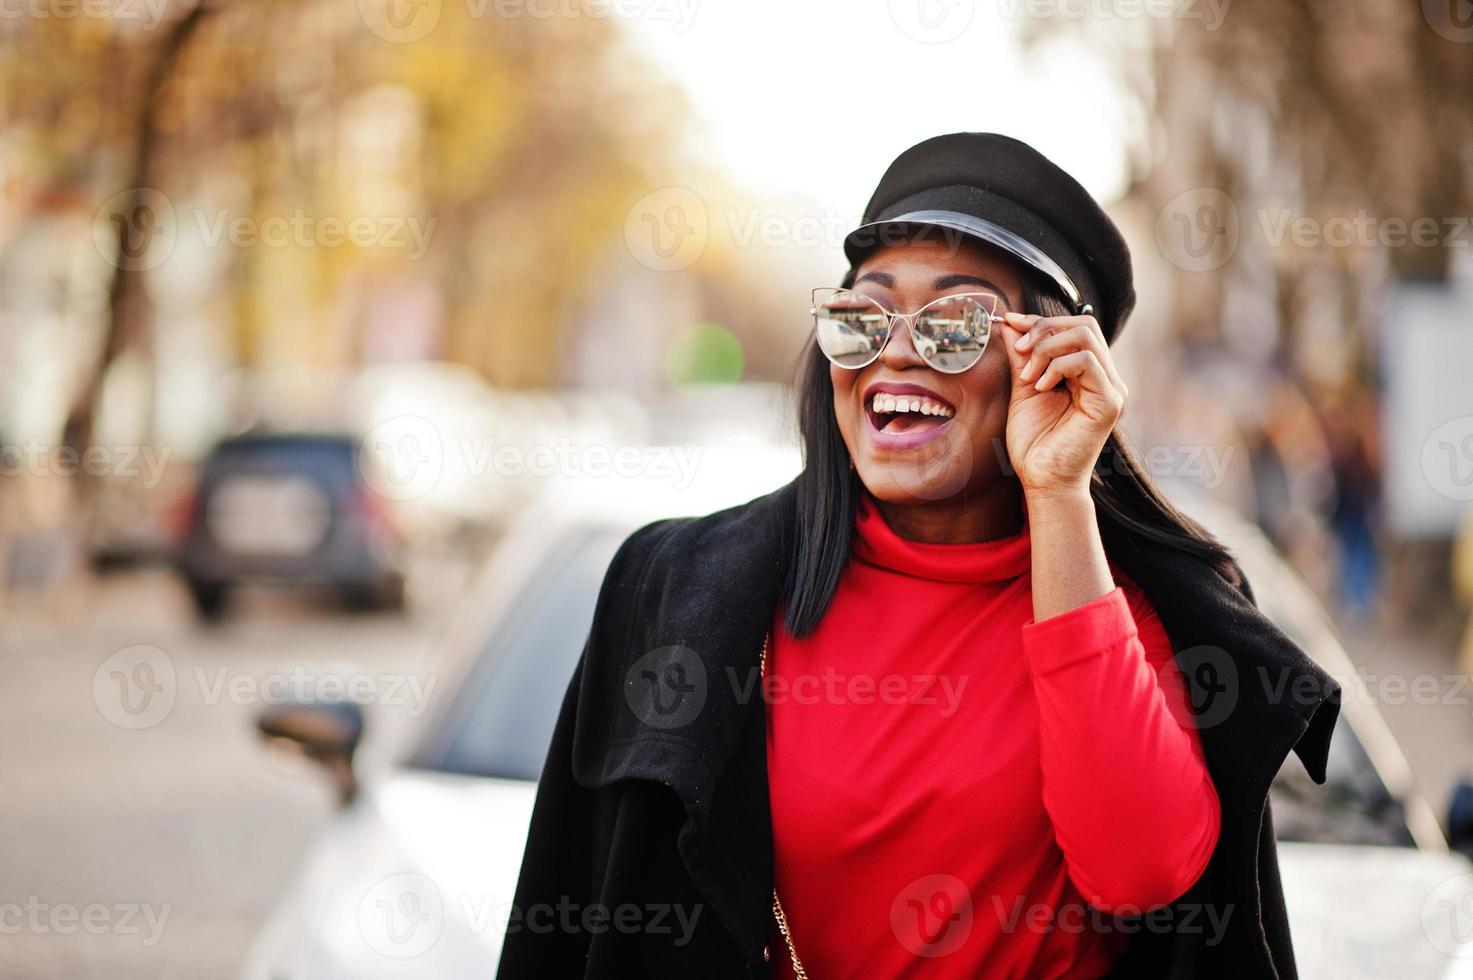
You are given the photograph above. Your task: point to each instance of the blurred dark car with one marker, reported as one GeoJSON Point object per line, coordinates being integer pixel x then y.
{"type": "Point", "coordinates": [288, 509]}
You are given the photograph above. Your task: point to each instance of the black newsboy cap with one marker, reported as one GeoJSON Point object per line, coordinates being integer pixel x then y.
{"type": "Point", "coordinates": [1006, 193]}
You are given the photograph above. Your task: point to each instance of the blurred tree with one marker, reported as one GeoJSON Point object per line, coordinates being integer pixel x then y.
{"type": "Point", "coordinates": [492, 159]}
{"type": "Point", "coordinates": [1352, 119]}
{"type": "Point", "coordinates": [128, 306]}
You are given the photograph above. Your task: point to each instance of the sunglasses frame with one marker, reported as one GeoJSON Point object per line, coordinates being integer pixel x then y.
{"type": "Point", "coordinates": [910, 319]}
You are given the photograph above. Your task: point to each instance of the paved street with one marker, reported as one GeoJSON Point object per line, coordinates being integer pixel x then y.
{"type": "Point", "coordinates": [146, 836]}
{"type": "Point", "coordinates": [153, 852]}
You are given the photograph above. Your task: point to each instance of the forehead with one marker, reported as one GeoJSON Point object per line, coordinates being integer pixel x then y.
{"type": "Point", "coordinates": [918, 257]}
{"type": "Point", "coordinates": [914, 266]}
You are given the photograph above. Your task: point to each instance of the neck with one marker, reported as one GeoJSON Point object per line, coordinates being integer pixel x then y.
{"type": "Point", "coordinates": [996, 511]}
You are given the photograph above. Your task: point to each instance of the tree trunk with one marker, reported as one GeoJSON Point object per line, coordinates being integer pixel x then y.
{"type": "Point", "coordinates": [129, 307]}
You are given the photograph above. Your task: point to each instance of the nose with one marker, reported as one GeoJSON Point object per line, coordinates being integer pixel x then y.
{"type": "Point", "coordinates": [901, 352]}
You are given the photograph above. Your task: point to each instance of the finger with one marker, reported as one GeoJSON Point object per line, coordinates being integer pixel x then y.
{"type": "Point", "coordinates": [1056, 345]}
{"type": "Point", "coordinates": [1084, 368]}
{"type": "Point", "coordinates": [1016, 358]}
{"type": "Point", "coordinates": [1041, 327]}
{"type": "Point", "coordinates": [1081, 336]}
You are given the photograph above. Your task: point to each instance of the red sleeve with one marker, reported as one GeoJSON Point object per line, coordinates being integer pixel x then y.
{"type": "Point", "coordinates": [1124, 780]}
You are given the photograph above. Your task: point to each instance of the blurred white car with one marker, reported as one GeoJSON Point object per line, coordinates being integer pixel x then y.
{"type": "Point", "coordinates": [415, 875]}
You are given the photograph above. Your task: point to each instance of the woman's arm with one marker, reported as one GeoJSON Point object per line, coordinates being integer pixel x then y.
{"type": "Point", "coordinates": [1069, 566]}
{"type": "Point", "coordinates": [1124, 780]}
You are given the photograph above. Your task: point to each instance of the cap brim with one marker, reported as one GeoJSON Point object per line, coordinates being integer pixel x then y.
{"type": "Point", "coordinates": [979, 228]}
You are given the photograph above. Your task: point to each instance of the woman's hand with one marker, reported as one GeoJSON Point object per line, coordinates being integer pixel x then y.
{"type": "Point", "coordinates": [1055, 432]}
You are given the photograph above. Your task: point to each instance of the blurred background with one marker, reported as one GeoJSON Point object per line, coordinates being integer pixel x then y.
{"type": "Point", "coordinates": [341, 341]}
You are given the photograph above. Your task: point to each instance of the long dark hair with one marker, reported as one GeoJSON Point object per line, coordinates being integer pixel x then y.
{"type": "Point", "coordinates": [1131, 509]}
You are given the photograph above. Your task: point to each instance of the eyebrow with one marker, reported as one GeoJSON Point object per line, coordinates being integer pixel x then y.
{"type": "Point", "coordinates": [958, 279]}
{"type": "Point", "coordinates": [947, 281]}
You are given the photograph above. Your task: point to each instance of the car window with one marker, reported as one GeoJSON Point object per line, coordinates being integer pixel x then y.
{"type": "Point", "coordinates": [501, 719]}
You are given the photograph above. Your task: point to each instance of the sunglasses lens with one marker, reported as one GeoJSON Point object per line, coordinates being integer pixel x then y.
{"type": "Point", "coordinates": [850, 327]}
{"type": "Point", "coordinates": [951, 334]}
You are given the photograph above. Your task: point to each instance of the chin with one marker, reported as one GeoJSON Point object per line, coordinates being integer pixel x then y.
{"type": "Point", "coordinates": [912, 478]}
{"type": "Point", "coordinates": [937, 469]}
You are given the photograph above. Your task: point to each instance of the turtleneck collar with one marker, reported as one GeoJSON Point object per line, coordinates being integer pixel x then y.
{"type": "Point", "coordinates": [984, 561]}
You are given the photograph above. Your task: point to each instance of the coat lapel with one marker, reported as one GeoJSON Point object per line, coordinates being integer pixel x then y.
{"type": "Point", "coordinates": [682, 642]}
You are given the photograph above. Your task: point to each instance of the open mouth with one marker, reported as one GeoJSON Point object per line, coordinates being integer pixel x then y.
{"type": "Point", "coordinates": [896, 414]}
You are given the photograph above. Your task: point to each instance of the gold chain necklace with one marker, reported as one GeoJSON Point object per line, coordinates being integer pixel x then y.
{"type": "Point", "coordinates": [777, 905]}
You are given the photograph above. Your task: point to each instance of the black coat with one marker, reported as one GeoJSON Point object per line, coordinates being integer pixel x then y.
{"type": "Point", "coordinates": [650, 849]}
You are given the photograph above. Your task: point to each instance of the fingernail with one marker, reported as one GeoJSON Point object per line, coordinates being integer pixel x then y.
{"type": "Point", "coordinates": [1024, 342]}
{"type": "Point", "coordinates": [1038, 385]}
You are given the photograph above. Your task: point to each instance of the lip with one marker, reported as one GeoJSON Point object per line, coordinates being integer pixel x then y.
{"type": "Point", "coordinates": [898, 441]}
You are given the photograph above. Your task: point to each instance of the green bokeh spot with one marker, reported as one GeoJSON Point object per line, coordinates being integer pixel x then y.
{"type": "Point", "coordinates": [704, 353]}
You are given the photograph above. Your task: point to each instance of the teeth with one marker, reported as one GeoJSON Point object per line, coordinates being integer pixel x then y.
{"type": "Point", "coordinates": [888, 404]}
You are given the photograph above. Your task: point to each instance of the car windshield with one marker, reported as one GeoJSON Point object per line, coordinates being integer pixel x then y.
{"type": "Point", "coordinates": [501, 720]}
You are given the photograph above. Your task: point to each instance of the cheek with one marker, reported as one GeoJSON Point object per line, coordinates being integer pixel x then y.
{"type": "Point", "coordinates": [987, 386]}
{"type": "Point", "coordinates": [844, 383]}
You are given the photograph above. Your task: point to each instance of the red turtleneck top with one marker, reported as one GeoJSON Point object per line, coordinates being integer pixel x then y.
{"type": "Point", "coordinates": [958, 791]}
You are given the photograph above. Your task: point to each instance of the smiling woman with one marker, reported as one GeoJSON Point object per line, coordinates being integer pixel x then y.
{"type": "Point", "coordinates": [968, 514]}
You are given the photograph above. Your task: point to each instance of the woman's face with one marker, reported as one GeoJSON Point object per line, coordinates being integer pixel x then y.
{"type": "Point", "coordinates": [952, 442]}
